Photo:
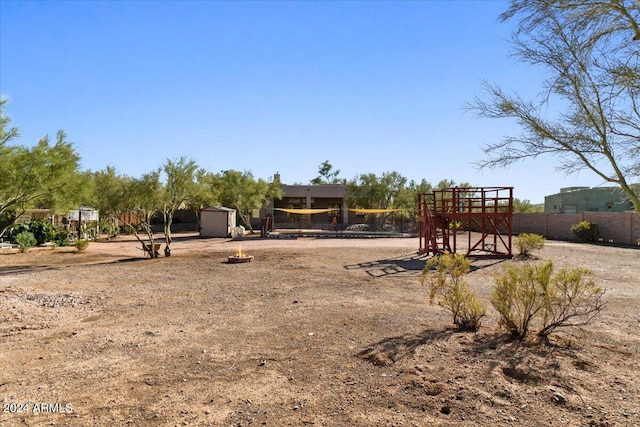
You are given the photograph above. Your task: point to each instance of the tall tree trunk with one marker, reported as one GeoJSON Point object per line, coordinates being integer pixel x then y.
{"type": "Point", "coordinates": [197, 220]}
{"type": "Point", "coordinates": [247, 221]}
{"type": "Point", "coordinates": [146, 225]}
{"type": "Point", "coordinates": [168, 219]}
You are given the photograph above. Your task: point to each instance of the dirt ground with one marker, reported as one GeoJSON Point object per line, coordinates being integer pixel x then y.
{"type": "Point", "coordinates": [324, 332]}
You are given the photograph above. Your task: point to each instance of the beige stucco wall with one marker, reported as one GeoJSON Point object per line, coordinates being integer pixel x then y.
{"type": "Point", "coordinates": [617, 227]}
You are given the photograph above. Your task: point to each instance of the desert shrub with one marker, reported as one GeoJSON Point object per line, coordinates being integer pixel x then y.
{"type": "Point", "coordinates": [25, 240]}
{"type": "Point", "coordinates": [585, 231]}
{"type": "Point", "coordinates": [445, 277]}
{"type": "Point", "coordinates": [517, 296]}
{"type": "Point", "coordinates": [571, 299]}
{"type": "Point", "coordinates": [61, 237]}
{"type": "Point", "coordinates": [528, 242]}
{"type": "Point", "coordinates": [81, 245]}
{"type": "Point", "coordinates": [530, 296]}
{"type": "Point", "coordinates": [109, 227]}
{"type": "Point", "coordinates": [455, 225]}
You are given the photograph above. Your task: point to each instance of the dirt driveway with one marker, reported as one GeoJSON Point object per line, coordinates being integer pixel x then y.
{"type": "Point", "coordinates": [324, 332]}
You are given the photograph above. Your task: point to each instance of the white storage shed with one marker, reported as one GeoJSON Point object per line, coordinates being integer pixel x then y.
{"type": "Point", "coordinates": [217, 221]}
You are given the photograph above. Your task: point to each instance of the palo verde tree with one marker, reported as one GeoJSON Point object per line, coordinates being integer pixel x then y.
{"type": "Point", "coordinates": [109, 197]}
{"type": "Point", "coordinates": [47, 173]}
{"type": "Point", "coordinates": [326, 174]}
{"type": "Point", "coordinates": [180, 185]}
{"type": "Point", "coordinates": [369, 191]}
{"type": "Point", "coordinates": [205, 193]}
{"type": "Point", "coordinates": [588, 115]}
{"type": "Point", "coordinates": [241, 191]}
{"type": "Point", "coordinates": [408, 199]}
{"type": "Point", "coordinates": [143, 198]}
{"type": "Point", "coordinates": [445, 184]}
{"type": "Point", "coordinates": [525, 206]}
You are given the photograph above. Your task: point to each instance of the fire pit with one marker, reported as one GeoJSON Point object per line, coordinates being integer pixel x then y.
{"type": "Point", "coordinates": [239, 257]}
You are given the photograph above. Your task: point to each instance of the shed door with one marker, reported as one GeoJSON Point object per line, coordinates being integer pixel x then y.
{"type": "Point", "coordinates": [214, 224]}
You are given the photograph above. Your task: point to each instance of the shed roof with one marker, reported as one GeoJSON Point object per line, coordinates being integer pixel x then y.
{"type": "Point", "coordinates": [217, 209]}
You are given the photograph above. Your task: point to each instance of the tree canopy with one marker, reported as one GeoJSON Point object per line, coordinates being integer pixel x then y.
{"type": "Point", "coordinates": [45, 175]}
{"type": "Point", "coordinates": [369, 191]}
{"type": "Point", "coordinates": [180, 187]}
{"type": "Point", "coordinates": [376, 192]}
{"type": "Point", "coordinates": [109, 196]}
{"type": "Point", "coordinates": [241, 191]}
{"type": "Point", "coordinates": [588, 113]}
{"type": "Point", "coordinates": [326, 174]}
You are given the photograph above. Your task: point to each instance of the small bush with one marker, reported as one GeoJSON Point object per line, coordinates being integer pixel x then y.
{"type": "Point", "coordinates": [585, 231]}
{"type": "Point", "coordinates": [25, 241]}
{"type": "Point", "coordinates": [82, 245]}
{"type": "Point", "coordinates": [517, 296]}
{"type": "Point", "coordinates": [455, 225]}
{"type": "Point", "coordinates": [528, 242]}
{"type": "Point", "coordinates": [61, 237]}
{"type": "Point", "coordinates": [447, 282]}
{"type": "Point", "coordinates": [571, 299]}
{"type": "Point", "coordinates": [531, 296]}
{"type": "Point", "coordinates": [109, 227]}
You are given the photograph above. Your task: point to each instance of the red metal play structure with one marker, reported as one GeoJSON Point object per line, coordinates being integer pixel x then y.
{"type": "Point", "coordinates": [483, 213]}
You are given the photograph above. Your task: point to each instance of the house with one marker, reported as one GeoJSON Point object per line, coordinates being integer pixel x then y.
{"type": "Point", "coordinates": [571, 200]}
{"type": "Point", "coordinates": [317, 205]}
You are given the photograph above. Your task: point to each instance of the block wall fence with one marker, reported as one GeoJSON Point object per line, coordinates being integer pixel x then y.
{"type": "Point", "coordinates": [615, 227]}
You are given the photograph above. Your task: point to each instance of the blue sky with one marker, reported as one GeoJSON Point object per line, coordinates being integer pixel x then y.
{"type": "Point", "coordinates": [269, 86]}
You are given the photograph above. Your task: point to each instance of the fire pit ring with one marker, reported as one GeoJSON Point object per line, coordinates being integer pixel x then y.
{"type": "Point", "coordinates": [240, 257]}
{"type": "Point", "coordinates": [236, 259]}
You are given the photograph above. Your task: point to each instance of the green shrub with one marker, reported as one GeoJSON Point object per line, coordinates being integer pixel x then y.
{"type": "Point", "coordinates": [455, 225]}
{"type": "Point", "coordinates": [528, 242]}
{"type": "Point", "coordinates": [455, 295]}
{"type": "Point", "coordinates": [61, 237]}
{"type": "Point", "coordinates": [110, 227]}
{"type": "Point", "coordinates": [586, 231]}
{"type": "Point", "coordinates": [43, 231]}
{"type": "Point", "coordinates": [25, 241]}
{"type": "Point", "coordinates": [81, 245]}
{"type": "Point", "coordinates": [531, 296]}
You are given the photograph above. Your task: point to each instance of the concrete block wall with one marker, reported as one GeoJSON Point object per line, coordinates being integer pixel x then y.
{"type": "Point", "coordinates": [619, 227]}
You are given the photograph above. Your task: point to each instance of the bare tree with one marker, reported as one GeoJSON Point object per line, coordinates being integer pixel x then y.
{"type": "Point", "coordinates": [588, 114]}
